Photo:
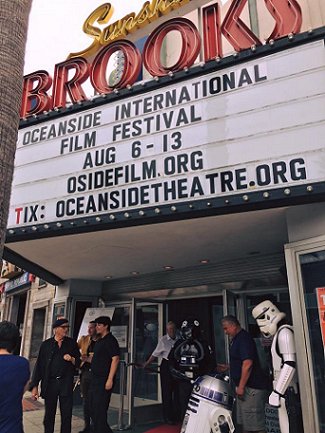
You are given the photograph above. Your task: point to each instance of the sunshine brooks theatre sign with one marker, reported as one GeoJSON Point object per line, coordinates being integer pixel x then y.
{"type": "Point", "coordinates": [36, 97]}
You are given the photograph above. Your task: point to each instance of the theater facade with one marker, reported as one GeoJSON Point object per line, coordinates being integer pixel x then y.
{"type": "Point", "coordinates": [190, 180]}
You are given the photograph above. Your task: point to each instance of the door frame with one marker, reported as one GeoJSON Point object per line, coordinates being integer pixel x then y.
{"type": "Point", "coordinates": [134, 303]}
{"type": "Point", "coordinates": [128, 400]}
{"type": "Point", "coordinates": [293, 252]}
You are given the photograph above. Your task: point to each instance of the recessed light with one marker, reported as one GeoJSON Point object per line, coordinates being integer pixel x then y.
{"type": "Point", "coordinates": [134, 273]}
{"type": "Point", "coordinates": [204, 261]}
{"type": "Point", "coordinates": [108, 277]}
{"type": "Point", "coordinates": [168, 268]}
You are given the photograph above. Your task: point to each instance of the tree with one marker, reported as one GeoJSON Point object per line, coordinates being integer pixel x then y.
{"type": "Point", "coordinates": [13, 34]}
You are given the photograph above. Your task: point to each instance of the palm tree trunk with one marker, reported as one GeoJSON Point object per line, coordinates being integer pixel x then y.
{"type": "Point", "coordinates": [13, 33]}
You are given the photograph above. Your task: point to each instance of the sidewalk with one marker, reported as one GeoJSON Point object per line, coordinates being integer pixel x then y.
{"type": "Point", "coordinates": [33, 418]}
{"type": "Point", "coordinates": [34, 413]}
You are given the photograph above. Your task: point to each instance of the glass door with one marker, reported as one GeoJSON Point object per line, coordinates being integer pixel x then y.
{"type": "Point", "coordinates": [148, 329]}
{"type": "Point", "coordinates": [229, 308]}
{"type": "Point", "coordinates": [144, 385]}
{"type": "Point", "coordinates": [306, 272]}
{"type": "Point", "coordinates": [222, 306]}
{"type": "Point", "coordinates": [137, 325]}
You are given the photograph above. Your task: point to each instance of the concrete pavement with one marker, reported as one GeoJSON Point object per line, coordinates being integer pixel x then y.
{"type": "Point", "coordinates": [34, 412]}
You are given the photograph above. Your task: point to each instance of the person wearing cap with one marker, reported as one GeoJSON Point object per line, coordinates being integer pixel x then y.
{"type": "Point", "coordinates": [104, 366]}
{"type": "Point", "coordinates": [55, 367]}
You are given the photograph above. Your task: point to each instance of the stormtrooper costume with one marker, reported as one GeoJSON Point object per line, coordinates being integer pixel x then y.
{"type": "Point", "coordinates": [283, 352]}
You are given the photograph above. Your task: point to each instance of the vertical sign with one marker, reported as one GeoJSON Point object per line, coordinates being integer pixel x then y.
{"type": "Point", "coordinates": [272, 419]}
{"type": "Point", "coordinates": [320, 291]}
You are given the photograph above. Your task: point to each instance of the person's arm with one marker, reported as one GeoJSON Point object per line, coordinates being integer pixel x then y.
{"type": "Point", "coordinates": [287, 350]}
{"type": "Point", "coordinates": [155, 354]}
{"type": "Point", "coordinates": [222, 368]}
{"type": "Point", "coordinates": [149, 361]}
{"type": "Point", "coordinates": [37, 374]}
{"type": "Point", "coordinates": [112, 372]}
{"type": "Point", "coordinates": [74, 358]}
{"type": "Point", "coordinates": [246, 370]}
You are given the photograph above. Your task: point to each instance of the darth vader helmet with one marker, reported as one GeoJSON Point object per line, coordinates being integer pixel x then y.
{"type": "Point", "coordinates": [267, 316]}
{"type": "Point", "coordinates": [190, 329]}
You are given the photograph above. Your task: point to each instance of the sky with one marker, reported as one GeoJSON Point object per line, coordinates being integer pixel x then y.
{"type": "Point", "coordinates": [55, 29]}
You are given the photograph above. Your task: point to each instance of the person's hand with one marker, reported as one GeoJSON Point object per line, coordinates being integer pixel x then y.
{"type": "Point", "coordinates": [108, 384]}
{"type": "Point", "coordinates": [222, 368]}
{"type": "Point", "coordinates": [85, 358]}
{"type": "Point", "coordinates": [67, 357]}
{"type": "Point", "coordinates": [240, 391]}
{"type": "Point", "coordinates": [274, 399]}
{"type": "Point", "coordinates": [35, 394]}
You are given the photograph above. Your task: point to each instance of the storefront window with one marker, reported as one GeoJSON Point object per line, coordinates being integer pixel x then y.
{"type": "Point", "coordinates": [313, 274]}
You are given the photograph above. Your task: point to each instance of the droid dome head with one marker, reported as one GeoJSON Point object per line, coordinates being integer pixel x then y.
{"type": "Point", "coordinates": [190, 329]}
{"type": "Point", "coordinates": [267, 316]}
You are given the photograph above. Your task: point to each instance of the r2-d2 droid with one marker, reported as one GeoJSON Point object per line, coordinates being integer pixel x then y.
{"type": "Point", "coordinates": [209, 407]}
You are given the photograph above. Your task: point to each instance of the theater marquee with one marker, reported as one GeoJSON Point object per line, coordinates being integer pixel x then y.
{"type": "Point", "coordinates": [253, 128]}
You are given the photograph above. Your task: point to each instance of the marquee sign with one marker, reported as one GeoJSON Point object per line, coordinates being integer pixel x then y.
{"type": "Point", "coordinates": [253, 127]}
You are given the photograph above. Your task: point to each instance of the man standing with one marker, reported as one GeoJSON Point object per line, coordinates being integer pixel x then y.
{"type": "Point", "coordinates": [245, 372]}
{"type": "Point", "coordinates": [55, 367]}
{"type": "Point", "coordinates": [104, 366]}
{"type": "Point", "coordinates": [168, 383]}
{"type": "Point", "coordinates": [86, 345]}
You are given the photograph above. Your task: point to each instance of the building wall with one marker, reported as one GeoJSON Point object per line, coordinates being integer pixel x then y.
{"type": "Point", "coordinates": [40, 297]}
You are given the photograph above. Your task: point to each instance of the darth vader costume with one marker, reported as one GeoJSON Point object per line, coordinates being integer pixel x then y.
{"type": "Point", "coordinates": [190, 358]}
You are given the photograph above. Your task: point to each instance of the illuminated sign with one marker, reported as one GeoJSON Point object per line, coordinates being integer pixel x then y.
{"type": "Point", "coordinates": [20, 281]}
{"type": "Point", "coordinates": [149, 12]}
{"type": "Point", "coordinates": [70, 75]}
{"type": "Point", "coordinates": [246, 128]}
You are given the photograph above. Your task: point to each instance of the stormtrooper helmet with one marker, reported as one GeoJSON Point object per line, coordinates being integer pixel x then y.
{"type": "Point", "coordinates": [267, 316]}
{"type": "Point", "coordinates": [190, 329]}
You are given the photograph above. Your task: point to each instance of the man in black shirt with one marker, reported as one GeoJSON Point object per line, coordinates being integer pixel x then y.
{"type": "Point", "coordinates": [245, 371]}
{"type": "Point", "coordinates": [104, 366]}
{"type": "Point", "coordinates": [55, 367]}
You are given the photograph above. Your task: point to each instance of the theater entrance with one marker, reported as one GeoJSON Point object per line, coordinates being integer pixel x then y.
{"type": "Point", "coordinates": [140, 323]}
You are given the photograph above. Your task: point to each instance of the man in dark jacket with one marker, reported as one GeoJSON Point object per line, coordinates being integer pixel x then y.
{"type": "Point", "coordinates": [55, 367]}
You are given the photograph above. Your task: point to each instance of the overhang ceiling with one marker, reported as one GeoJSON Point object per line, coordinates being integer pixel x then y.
{"type": "Point", "coordinates": [149, 248]}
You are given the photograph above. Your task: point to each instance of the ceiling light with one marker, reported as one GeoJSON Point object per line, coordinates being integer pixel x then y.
{"type": "Point", "coordinates": [204, 261]}
{"type": "Point", "coordinates": [168, 268]}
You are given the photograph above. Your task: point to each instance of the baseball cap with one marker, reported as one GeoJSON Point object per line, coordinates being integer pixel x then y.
{"type": "Point", "coordinates": [103, 320]}
{"type": "Point", "coordinates": [59, 322]}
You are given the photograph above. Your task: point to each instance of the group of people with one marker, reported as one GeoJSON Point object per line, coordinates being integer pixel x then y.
{"type": "Point", "coordinates": [97, 355]}
{"type": "Point", "coordinates": [185, 356]}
